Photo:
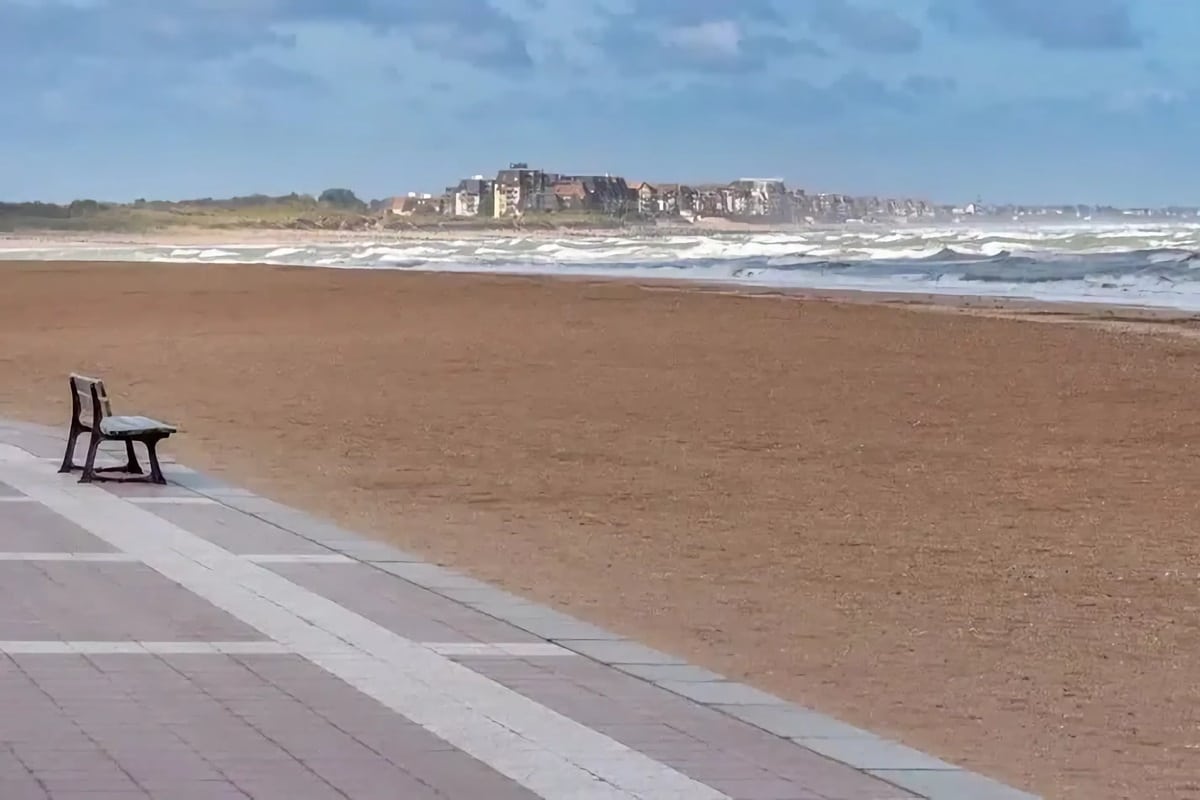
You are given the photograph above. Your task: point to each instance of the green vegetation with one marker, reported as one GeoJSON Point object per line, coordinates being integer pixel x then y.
{"type": "Point", "coordinates": [342, 198]}
{"type": "Point", "coordinates": [333, 209]}
{"type": "Point", "coordinates": [151, 215]}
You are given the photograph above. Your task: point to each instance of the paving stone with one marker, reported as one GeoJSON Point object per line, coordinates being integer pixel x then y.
{"type": "Point", "coordinates": [483, 594]}
{"type": "Point", "coordinates": [379, 781]}
{"type": "Point", "coordinates": [723, 693]}
{"type": "Point", "coordinates": [834, 781]}
{"type": "Point", "coordinates": [36, 442]}
{"type": "Point", "coordinates": [611, 651]}
{"type": "Point", "coordinates": [143, 490]}
{"type": "Point", "coordinates": [874, 753]}
{"type": "Point", "coordinates": [767, 788]}
{"type": "Point", "coordinates": [504, 609]}
{"type": "Point", "coordinates": [282, 785]}
{"type": "Point", "coordinates": [308, 526]}
{"type": "Point", "coordinates": [222, 491]}
{"type": "Point", "coordinates": [550, 624]}
{"type": "Point", "coordinates": [96, 602]}
{"type": "Point", "coordinates": [951, 785]}
{"type": "Point", "coordinates": [22, 790]}
{"type": "Point", "coordinates": [196, 481]}
{"type": "Point", "coordinates": [253, 504]}
{"type": "Point", "coordinates": [235, 530]}
{"type": "Point", "coordinates": [624, 690]}
{"type": "Point", "coordinates": [374, 552]}
{"type": "Point", "coordinates": [793, 722]}
{"type": "Point", "coordinates": [406, 746]}
{"type": "Point", "coordinates": [32, 528]}
{"type": "Point", "coordinates": [100, 795]}
{"type": "Point", "coordinates": [726, 767]}
{"type": "Point", "coordinates": [432, 576]}
{"type": "Point", "coordinates": [700, 742]}
{"type": "Point", "coordinates": [58, 781]}
{"type": "Point", "coordinates": [656, 673]}
{"type": "Point", "coordinates": [453, 775]}
{"type": "Point", "coordinates": [200, 790]}
{"type": "Point", "coordinates": [409, 610]}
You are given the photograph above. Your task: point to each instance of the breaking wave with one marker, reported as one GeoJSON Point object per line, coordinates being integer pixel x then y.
{"type": "Point", "coordinates": [1149, 265]}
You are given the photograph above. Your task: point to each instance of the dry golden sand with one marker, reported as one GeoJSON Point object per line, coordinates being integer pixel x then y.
{"type": "Point", "coordinates": [977, 534]}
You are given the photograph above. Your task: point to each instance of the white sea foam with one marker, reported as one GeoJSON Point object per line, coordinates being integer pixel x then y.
{"type": "Point", "coordinates": [283, 252]}
{"type": "Point", "coordinates": [1139, 264]}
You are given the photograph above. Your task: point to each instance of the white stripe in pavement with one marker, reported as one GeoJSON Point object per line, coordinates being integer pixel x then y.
{"type": "Point", "coordinates": [148, 500]}
{"type": "Point", "coordinates": [137, 500]}
{"type": "Point", "coordinates": [498, 649]}
{"type": "Point", "coordinates": [547, 752]}
{"type": "Point", "coordinates": [300, 558]}
{"type": "Point", "coordinates": [166, 500]}
{"type": "Point", "coordinates": [122, 646]}
{"type": "Point", "coordinates": [10, 452]}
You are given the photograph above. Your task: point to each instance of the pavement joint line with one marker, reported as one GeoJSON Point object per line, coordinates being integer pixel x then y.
{"type": "Point", "coordinates": [117, 647]}
{"type": "Point", "coordinates": [548, 753]}
{"type": "Point", "coordinates": [126, 558]}
{"type": "Point", "coordinates": [497, 650]}
{"type": "Point", "coordinates": [181, 500]}
{"type": "Point", "coordinates": [112, 558]}
{"type": "Point", "coordinates": [299, 558]}
{"type": "Point", "coordinates": [165, 500]}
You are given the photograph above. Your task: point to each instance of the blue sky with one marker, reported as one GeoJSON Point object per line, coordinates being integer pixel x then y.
{"type": "Point", "coordinates": [1010, 100]}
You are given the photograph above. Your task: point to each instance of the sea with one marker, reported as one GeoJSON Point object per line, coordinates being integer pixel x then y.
{"type": "Point", "coordinates": [1149, 265]}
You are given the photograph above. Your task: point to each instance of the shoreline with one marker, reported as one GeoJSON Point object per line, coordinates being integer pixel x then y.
{"type": "Point", "coordinates": [184, 236]}
{"type": "Point", "coordinates": [455, 252]}
{"type": "Point", "coordinates": [1122, 316]}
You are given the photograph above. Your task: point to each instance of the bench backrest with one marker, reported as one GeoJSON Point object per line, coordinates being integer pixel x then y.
{"type": "Point", "coordinates": [89, 400]}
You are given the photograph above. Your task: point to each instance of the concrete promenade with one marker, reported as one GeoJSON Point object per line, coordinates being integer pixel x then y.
{"type": "Point", "coordinates": [198, 642]}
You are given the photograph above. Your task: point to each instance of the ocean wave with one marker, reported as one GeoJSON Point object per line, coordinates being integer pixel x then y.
{"type": "Point", "coordinates": [1136, 264]}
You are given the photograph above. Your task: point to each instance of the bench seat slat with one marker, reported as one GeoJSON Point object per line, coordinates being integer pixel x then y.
{"type": "Point", "coordinates": [129, 425]}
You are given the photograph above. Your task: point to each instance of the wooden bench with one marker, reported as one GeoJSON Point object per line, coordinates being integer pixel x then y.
{"type": "Point", "coordinates": [91, 413]}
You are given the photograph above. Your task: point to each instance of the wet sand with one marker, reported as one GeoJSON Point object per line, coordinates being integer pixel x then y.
{"type": "Point", "coordinates": [955, 525]}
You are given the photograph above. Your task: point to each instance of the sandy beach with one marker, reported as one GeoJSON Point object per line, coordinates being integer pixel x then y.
{"type": "Point", "coordinates": [957, 526]}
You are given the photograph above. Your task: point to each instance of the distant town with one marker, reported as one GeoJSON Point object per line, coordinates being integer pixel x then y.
{"type": "Point", "coordinates": [524, 197]}
{"type": "Point", "coordinates": [521, 191]}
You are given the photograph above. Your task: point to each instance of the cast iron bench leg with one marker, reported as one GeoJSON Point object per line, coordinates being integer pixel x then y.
{"type": "Point", "coordinates": [156, 475]}
{"type": "Point", "coordinates": [68, 462]}
{"type": "Point", "coordinates": [91, 471]}
{"type": "Point", "coordinates": [89, 466]}
{"type": "Point", "coordinates": [132, 466]}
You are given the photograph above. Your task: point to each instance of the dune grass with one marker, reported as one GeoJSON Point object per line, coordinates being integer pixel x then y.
{"type": "Point", "coordinates": [287, 212]}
